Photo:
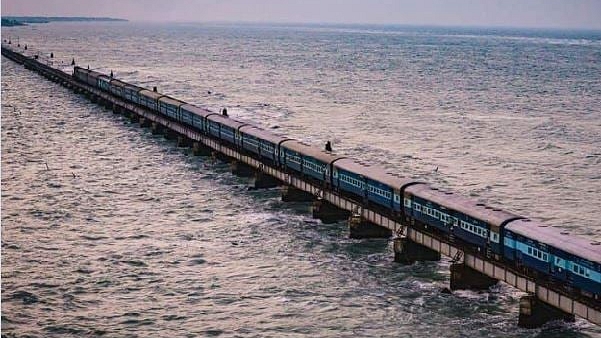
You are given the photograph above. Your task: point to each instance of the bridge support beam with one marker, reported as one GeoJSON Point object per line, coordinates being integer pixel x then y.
{"type": "Point", "coordinates": [327, 212]}
{"type": "Point", "coordinates": [292, 194]}
{"type": "Point", "coordinates": [407, 251]}
{"type": "Point", "coordinates": [360, 228]}
{"type": "Point", "coordinates": [263, 181]}
{"type": "Point", "coordinates": [534, 313]}
{"type": "Point", "coordinates": [199, 149]}
{"type": "Point", "coordinates": [241, 169]}
{"type": "Point", "coordinates": [465, 278]}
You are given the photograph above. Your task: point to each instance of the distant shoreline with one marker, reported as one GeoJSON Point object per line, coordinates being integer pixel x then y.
{"type": "Point", "coordinates": [9, 21]}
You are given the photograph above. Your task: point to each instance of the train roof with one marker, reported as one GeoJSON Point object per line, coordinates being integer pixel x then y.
{"type": "Point", "coordinates": [352, 165]}
{"type": "Point", "coordinates": [79, 69]}
{"type": "Point", "coordinates": [226, 121]}
{"type": "Point", "coordinates": [542, 233]}
{"type": "Point", "coordinates": [170, 100]}
{"type": "Point", "coordinates": [94, 73]}
{"type": "Point", "coordinates": [196, 110]}
{"type": "Point", "coordinates": [150, 94]}
{"type": "Point", "coordinates": [493, 216]}
{"type": "Point", "coordinates": [311, 151]}
{"type": "Point", "coordinates": [119, 83]}
{"type": "Point", "coordinates": [263, 134]}
{"type": "Point", "coordinates": [394, 180]}
{"type": "Point", "coordinates": [374, 173]}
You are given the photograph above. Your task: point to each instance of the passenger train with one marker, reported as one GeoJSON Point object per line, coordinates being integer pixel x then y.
{"type": "Point", "coordinates": [525, 244]}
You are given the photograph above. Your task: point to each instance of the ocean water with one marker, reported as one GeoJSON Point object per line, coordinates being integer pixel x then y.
{"type": "Point", "coordinates": [110, 231]}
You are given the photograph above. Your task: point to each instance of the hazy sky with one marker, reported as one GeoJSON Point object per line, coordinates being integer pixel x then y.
{"type": "Point", "coordinates": [521, 13]}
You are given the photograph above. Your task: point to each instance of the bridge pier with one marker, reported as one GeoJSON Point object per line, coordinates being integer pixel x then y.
{"type": "Point", "coordinates": [360, 228]}
{"type": "Point", "coordinates": [327, 212]}
{"type": "Point", "coordinates": [156, 128]}
{"type": "Point", "coordinates": [93, 98]}
{"type": "Point", "coordinates": [132, 115]}
{"type": "Point", "coordinates": [144, 122]}
{"type": "Point", "coordinates": [407, 251]}
{"type": "Point", "coordinates": [199, 149]}
{"type": "Point", "coordinates": [183, 141]}
{"type": "Point", "coordinates": [116, 109]}
{"type": "Point", "coordinates": [535, 313]}
{"type": "Point", "coordinates": [292, 194]}
{"type": "Point", "coordinates": [241, 169]}
{"type": "Point", "coordinates": [465, 278]}
{"type": "Point", "coordinates": [263, 181]}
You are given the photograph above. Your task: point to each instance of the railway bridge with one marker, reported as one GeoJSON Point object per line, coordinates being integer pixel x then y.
{"type": "Point", "coordinates": [469, 270]}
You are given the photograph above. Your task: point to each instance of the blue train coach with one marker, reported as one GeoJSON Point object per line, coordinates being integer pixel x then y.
{"type": "Point", "coordinates": [195, 116]}
{"type": "Point", "coordinates": [573, 260]}
{"type": "Point", "coordinates": [169, 106]}
{"type": "Point", "coordinates": [225, 128]}
{"type": "Point", "coordinates": [307, 160]}
{"type": "Point", "coordinates": [475, 223]}
{"type": "Point", "coordinates": [261, 142]}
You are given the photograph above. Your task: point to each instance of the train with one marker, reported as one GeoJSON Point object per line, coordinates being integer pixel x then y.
{"type": "Point", "coordinates": [522, 243]}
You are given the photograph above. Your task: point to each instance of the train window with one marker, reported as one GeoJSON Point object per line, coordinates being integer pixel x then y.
{"type": "Point", "coordinates": [529, 250]}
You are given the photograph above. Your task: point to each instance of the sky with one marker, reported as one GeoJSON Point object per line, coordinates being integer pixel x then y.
{"type": "Point", "coordinates": [514, 13]}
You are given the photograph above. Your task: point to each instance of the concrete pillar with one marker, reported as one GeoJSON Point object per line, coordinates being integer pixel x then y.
{"type": "Point", "coordinates": [132, 116]}
{"type": "Point", "coordinates": [145, 122]}
{"type": "Point", "coordinates": [183, 141]}
{"type": "Point", "coordinates": [535, 313]}
{"type": "Point", "coordinates": [156, 128]}
{"type": "Point", "coordinates": [463, 277]}
{"type": "Point", "coordinates": [327, 212]}
{"type": "Point", "coordinates": [116, 109]}
{"type": "Point", "coordinates": [199, 149]}
{"type": "Point", "coordinates": [292, 194]}
{"type": "Point", "coordinates": [93, 98]}
{"type": "Point", "coordinates": [407, 251]}
{"type": "Point", "coordinates": [263, 181]}
{"type": "Point", "coordinates": [169, 134]}
{"type": "Point", "coordinates": [360, 228]}
{"type": "Point", "coordinates": [241, 169]}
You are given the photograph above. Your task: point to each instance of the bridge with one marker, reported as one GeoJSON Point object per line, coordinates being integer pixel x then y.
{"type": "Point", "coordinates": [544, 301]}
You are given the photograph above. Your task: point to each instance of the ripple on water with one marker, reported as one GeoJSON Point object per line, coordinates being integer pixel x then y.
{"type": "Point", "coordinates": [108, 230]}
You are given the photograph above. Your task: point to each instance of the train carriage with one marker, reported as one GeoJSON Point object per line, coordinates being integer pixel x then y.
{"type": "Point", "coordinates": [472, 222]}
{"type": "Point", "coordinates": [385, 189]}
{"type": "Point", "coordinates": [261, 142]}
{"type": "Point", "coordinates": [169, 106]}
{"type": "Point", "coordinates": [149, 99]}
{"type": "Point", "coordinates": [573, 260]}
{"type": "Point", "coordinates": [130, 93]}
{"type": "Point", "coordinates": [116, 88]}
{"type": "Point", "coordinates": [225, 128]}
{"type": "Point", "coordinates": [93, 78]}
{"type": "Point", "coordinates": [103, 82]}
{"type": "Point", "coordinates": [81, 74]}
{"type": "Point", "coordinates": [307, 160]}
{"type": "Point", "coordinates": [195, 116]}
{"type": "Point", "coordinates": [348, 176]}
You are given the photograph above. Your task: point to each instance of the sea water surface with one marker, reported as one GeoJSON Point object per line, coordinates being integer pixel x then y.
{"type": "Point", "coordinates": [110, 231]}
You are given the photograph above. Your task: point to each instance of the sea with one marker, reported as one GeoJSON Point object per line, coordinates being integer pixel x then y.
{"type": "Point", "coordinates": [110, 231]}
